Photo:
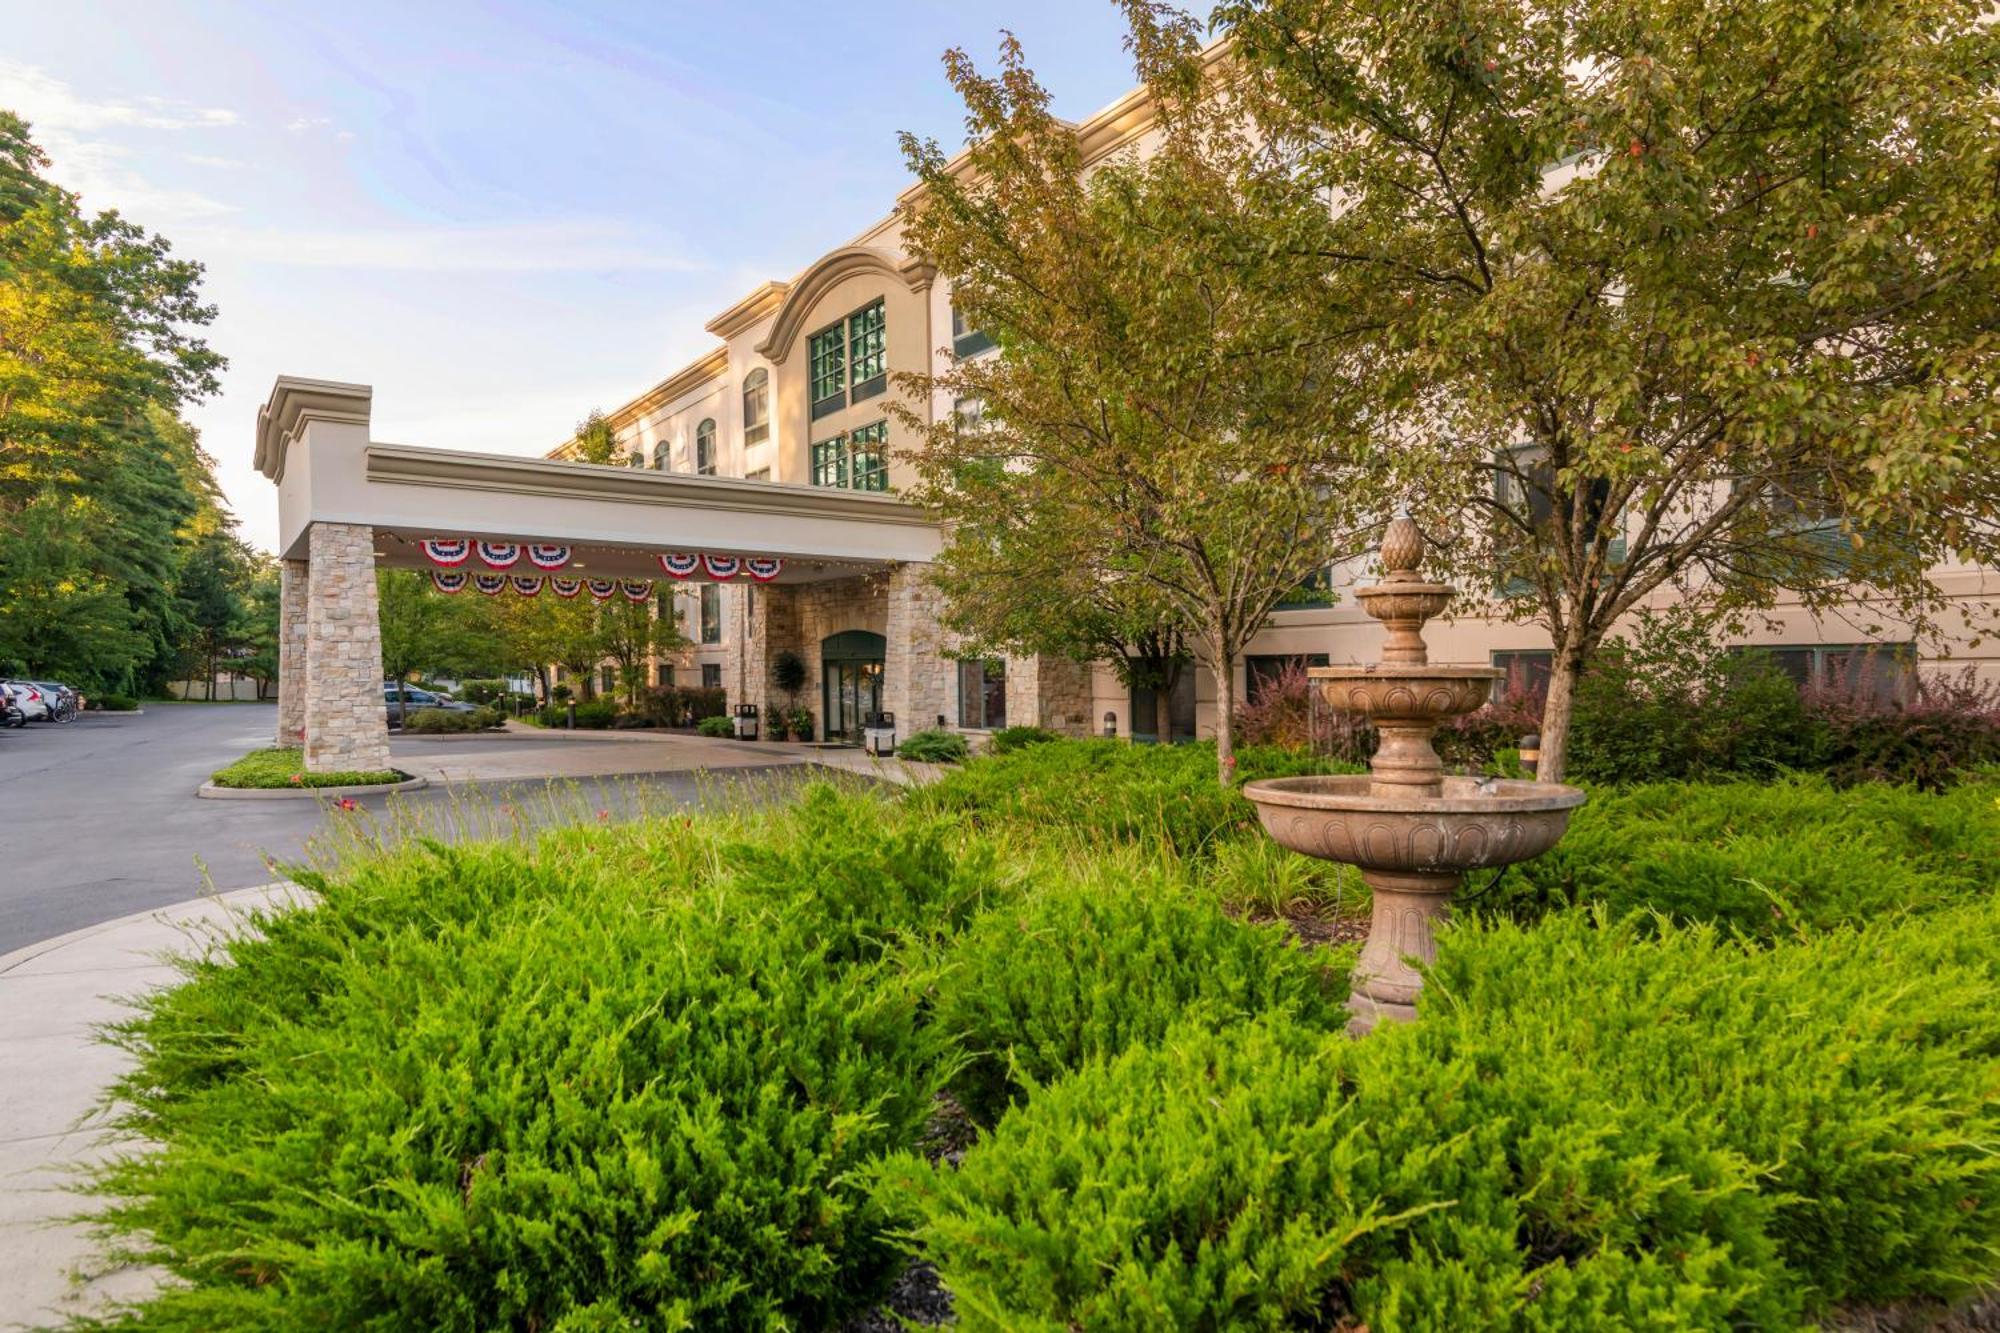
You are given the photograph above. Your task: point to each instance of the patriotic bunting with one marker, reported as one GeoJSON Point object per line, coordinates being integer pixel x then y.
{"type": "Point", "coordinates": [499, 555]}
{"type": "Point", "coordinates": [548, 557]}
{"type": "Point", "coordinates": [720, 566]}
{"type": "Point", "coordinates": [490, 584]}
{"type": "Point", "coordinates": [636, 590]}
{"type": "Point", "coordinates": [566, 587]}
{"type": "Point", "coordinates": [763, 568]}
{"type": "Point", "coordinates": [526, 586]}
{"type": "Point", "coordinates": [447, 581]}
{"type": "Point", "coordinates": [679, 563]}
{"type": "Point", "coordinates": [447, 553]}
{"type": "Point", "coordinates": [602, 590]}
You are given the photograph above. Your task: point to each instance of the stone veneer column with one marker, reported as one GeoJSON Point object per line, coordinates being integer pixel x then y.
{"type": "Point", "coordinates": [347, 727]}
{"type": "Point", "coordinates": [291, 652]}
{"type": "Point", "coordinates": [1050, 692]}
{"type": "Point", "coordinates": [917, 677]}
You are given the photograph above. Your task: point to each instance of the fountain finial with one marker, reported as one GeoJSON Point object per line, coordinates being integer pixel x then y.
{"type": "Point", "coordinates": [1402, 548]}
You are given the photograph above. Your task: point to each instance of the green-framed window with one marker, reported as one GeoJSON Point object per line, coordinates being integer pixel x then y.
{"type": "Point", "coordinates": [827, 360]}
{"type": "Point", "coordinates": [868, 457]}
{"type": "Point", "coordinates": [867, 352]}
{"type": "Point", "coordinates": [829, 462]}
{"type": "Point", "coordinates": [711, 613]}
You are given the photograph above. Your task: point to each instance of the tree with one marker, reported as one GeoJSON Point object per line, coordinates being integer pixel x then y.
{"type": "Point", "coordinates": [425, 630]}
{"type": "Point", "coordinates": [1166, 412]}
{"type": "Point", "coordinates": [263, 602]}
{"type": "Point", "coordinates": [596, 442]}
{"type": "Point", "coordinates": [1675, 298]}
{"type": "Point", "coordinates": [59, 617]}
{"type": "Point", "coordinates": [538, 631]}
{"type": "Point", "coordinates": [214, 584]}
{"type": "Point", "coordinates": [629, 633]}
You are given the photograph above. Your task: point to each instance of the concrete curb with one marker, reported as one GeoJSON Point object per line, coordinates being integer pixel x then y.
{"type": "Point", "coordinates": [228, 900]}
{"type": "Point", "coordinates": [112, 712]}
{"type": "Point", "coordinates": [208, 791]}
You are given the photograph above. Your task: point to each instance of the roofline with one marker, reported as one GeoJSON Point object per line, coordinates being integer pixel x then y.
{"type": "Point", "coordinates": [296, 402]}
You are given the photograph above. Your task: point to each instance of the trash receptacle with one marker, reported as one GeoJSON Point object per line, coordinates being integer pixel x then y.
{"type": "Point", "coordinates": [878, 735]}
{"type": "Point", "coordinates": [746, 722]}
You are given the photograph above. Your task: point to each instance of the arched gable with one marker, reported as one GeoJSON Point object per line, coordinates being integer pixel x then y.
{"type": "Point", "coordinates": [817, 281]}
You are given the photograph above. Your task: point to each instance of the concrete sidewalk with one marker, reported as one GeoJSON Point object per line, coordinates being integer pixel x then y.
{"type": "Point", "coordinates": [53, 995]}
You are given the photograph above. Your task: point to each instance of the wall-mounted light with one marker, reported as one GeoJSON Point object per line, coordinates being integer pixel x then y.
{"type": "Point", "coordinates": [1110, 725]}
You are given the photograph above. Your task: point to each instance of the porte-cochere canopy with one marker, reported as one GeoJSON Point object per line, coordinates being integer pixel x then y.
{"type": "Point", "coordinates": [348, 504]}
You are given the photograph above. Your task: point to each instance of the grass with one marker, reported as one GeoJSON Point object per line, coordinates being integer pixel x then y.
{"type": "Point", "coordinates": [284, 766]}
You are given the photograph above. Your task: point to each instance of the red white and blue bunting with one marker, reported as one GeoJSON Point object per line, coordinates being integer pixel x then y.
{"type": "Point", "coordinates": [500, 555]}
{"type": "Point", "coordinates": [721, 566]}
{"type": "Point", "coordinates": [490, 584]}
{"type": "Point", "coordinates": [447, 553]}
{"type": "Point", "coordinates": [548, 557]}
{"type": "Point", "coordinates": [763, 568]}
{"type": "Point", "coordinates": [447, 581]}
{"type": "Point", "coordinates": [680, 564]}
{"type": "Point", "coordinates": [566, 587]}
{"type": "Point", "coordinates": [525, 585]}
{"type": "Point", "coordinates": [602, 590]}
{"type": "Point", "coordinates": [636, 590]}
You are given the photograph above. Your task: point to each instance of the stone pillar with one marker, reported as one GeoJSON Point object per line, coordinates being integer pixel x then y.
{"type": "Point", "coordinates": [1050, 692]}
{"type": "Point", "coordinates": [347, 727]}
{"type": "Point", "coordinates": [917, 677]}
{"type": "Point", "coordinates": [291, 652]}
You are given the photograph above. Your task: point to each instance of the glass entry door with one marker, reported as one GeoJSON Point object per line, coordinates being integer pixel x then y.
{"type": "Point", "coordinates": [854, 690]}
{"type": "Point", "coordinates": [850, 681]}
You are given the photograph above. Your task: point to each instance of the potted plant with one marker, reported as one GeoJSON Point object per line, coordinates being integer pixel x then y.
{"type": "Point", "coordinates": [801, 721]}
{"type": "Point", "coordinates": [777, 723]}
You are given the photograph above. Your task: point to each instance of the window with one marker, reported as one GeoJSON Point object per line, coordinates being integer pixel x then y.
{"type": "Point", "coordinates": [666, 673]}
{"type": "Point", "coordinates": [1263, 670]}
{"type": "Point", "coordinates": [1883, 671]}
{"type": "Point", "coordinates": [761, 474]}
{"type": "Point", "coordinates": [1315, 590]}
{"type": "Point", "coordinates": [966, 340]}
{"type": "Point", "coordinates": [982, 693]}
{"type": "Point", "coordinates": [756, 406]}
{"type": "Point", "coordinates": [868, 465]}
{"type": "Point", "coordinates": [704, 448]}
{"type": "Point", "coordinates": [636, 460]}
{"type": "Point", "coordinates": [607, 679]}
{"type": "Point", "coordinates": [1527, 670]}
{"type": "Point", "coordinates": [867, 352]}
{"type": "Point", "coordinates": [859, 459]}
{"type": "Point", "coordinates": [848, 360]}
{"type": "Point", "coordinates": [711, 613]}
{"type": "Point", "coordinates": [1522, 479]}
{"type": "Point", "coordinates": [968, 413]}
{"type": "Point", "coordinates": [711, 675]}
{"type": "Point", "coordinates": [829, 462]}
{"type": "Point", "coordinates": [662, 456]}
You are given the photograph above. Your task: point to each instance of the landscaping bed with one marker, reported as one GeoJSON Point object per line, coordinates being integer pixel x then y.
{"type": "Point", "coordinates": [1034, 1033]}
{"type": "Point", "coordinates": [283, 767]}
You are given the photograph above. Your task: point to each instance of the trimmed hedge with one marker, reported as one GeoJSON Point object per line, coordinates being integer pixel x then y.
{"type": "Point", "coordinates": [1088, 967]}
{"type": "Point", "coordinates": [495, 1086]}
{"type": "Point", "coordinates": [1018, 738]}
{"type": "Point", "coordinates": [933, 746]}
{"type": "Point", "coordinates": [1768, 860]}
{"type": "Point", "coordinates": [1591, 1126]}
{"type": "Point", "coordinates": [285, 766]}
{"type": "Point", "coordinates": [436, 721]}
{"type": "Point", "coordinates": [716, 726]}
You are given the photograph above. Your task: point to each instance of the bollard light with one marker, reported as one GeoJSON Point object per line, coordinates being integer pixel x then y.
{"type": "Point", "coordinates": [1110, 725]}
{"type": "Point", "coordinates": [1531, 753]}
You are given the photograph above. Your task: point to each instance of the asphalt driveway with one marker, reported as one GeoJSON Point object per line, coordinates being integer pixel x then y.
{"type": "Point", "coordinates": [98, 818]}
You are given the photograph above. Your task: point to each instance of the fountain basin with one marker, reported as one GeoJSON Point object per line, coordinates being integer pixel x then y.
{"type": "Point", "coordinates": [1405, 692]}
{"type": "Point", "coordinates": [1336, 818]}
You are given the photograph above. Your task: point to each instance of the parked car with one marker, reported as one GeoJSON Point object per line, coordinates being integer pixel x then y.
{"type": "Point", "coordinates": [63, 700]}
{"type": "Point", "coordinates": [11, 714]}
{"type": "Point", "coordinates": [414, 699]}
{"type": "Point", "coordinates": [34, 705]}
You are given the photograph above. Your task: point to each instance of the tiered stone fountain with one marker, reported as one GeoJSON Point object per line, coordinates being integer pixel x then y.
{"type": "Point", "coordinates": [1412, 831]}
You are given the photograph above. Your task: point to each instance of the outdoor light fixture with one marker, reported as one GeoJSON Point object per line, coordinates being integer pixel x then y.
{"type": "Point", "coordinates": [1110, 725]}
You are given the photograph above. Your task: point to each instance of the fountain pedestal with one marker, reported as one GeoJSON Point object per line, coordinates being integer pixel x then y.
{"type": "Point", "coordinates": [1411, 830]}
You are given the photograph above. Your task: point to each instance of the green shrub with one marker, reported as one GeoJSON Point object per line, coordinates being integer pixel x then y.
{"type": "Point", "coordinates": [1018, 738]}
{"type": "Point", "coordinates": [1274, 1176]}
{"type": "Point", "coordinates": [716, 726]}
{"type": "Point", "coordinates": [482, 691]}
{"type": "Point", "coordinates": [1105, 791]}
{"type": "Point", "coordinates": [1091, 966]}
{"type": "Point", "coordinates": [445, 720]}
{"type": "Point", "coordinates": [933, 746]}
{"type": "Point", "coordinates": [1856, 1073]}
{"type": "Point", "coordinates": [1765, 859]}
{"type": "Point", "coordinates": [596, 714]}
{"type": "Point", "coordinates": [112, 703]}
{"type": "Point", "coordinates": [682, 705]}
{"type": "Point", "coordinates": [499, 1086]}
{"type": "Point", "coordinates": [285, 766]}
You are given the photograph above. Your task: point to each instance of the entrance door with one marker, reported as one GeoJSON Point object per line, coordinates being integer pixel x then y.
{"type": "Point", "coordinates": [850, 681]}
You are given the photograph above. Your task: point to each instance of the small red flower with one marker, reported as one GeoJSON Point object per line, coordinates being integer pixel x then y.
{"type": "Point", "coordinates": [297, 778]}
{"type": "Point", "coordinates": [1637, 149]}
{"type": "Point", "coordinates": [603, 815]}
{"type": "Point", "coordinates": [348, 803]}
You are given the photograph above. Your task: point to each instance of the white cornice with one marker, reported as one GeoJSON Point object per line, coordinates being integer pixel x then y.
{"type": "Point", "coordinates": [296, 403]}
{"type": "Point", "coordinates": [746, 312]}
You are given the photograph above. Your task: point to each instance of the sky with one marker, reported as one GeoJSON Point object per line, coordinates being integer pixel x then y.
{"type": "Point", "coordinates": [498, 214]}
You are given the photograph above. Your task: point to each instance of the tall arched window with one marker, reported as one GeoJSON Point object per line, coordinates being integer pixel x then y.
{"type": "Point", "coordinates": [704, 448]}
{"type": "Point", "coordinates": [756, 407]}
{"type": "Point", "coordinates": [662, 455]}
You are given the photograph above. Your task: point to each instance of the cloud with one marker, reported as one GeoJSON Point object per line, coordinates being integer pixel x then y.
{"type": "Point", "coordinates": [576, 245]}
{"type": "Point", "coordinates": [210, 160]}
{"type": "Point", "coordinates": [52, 105]}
